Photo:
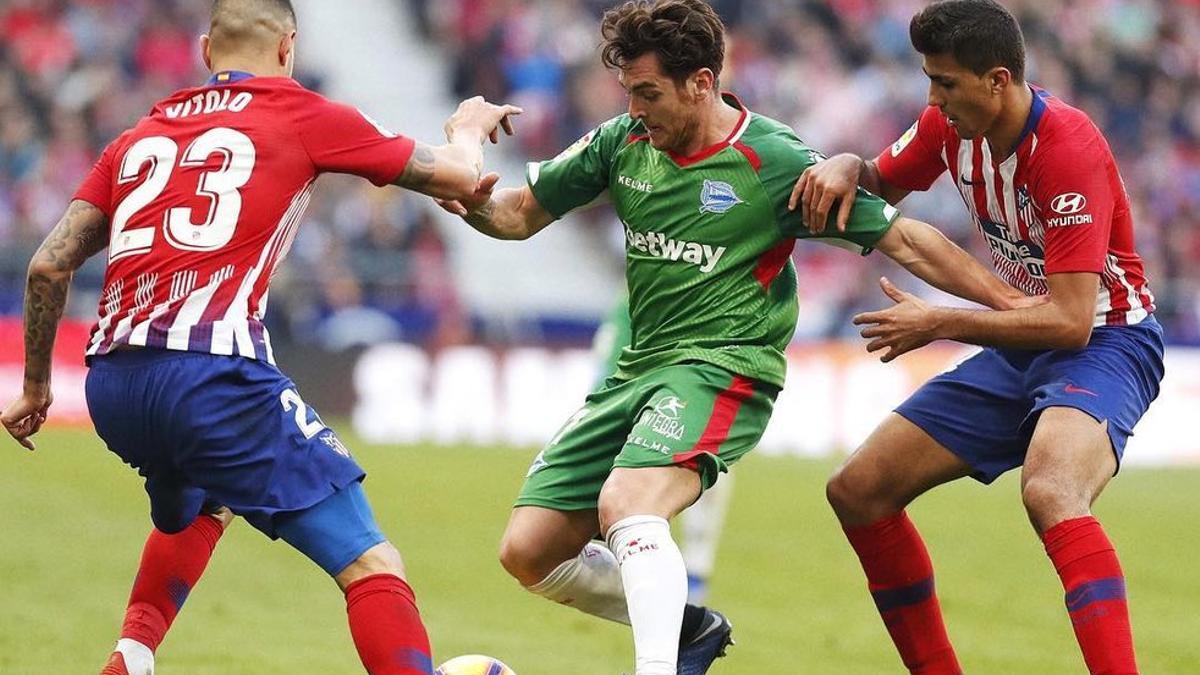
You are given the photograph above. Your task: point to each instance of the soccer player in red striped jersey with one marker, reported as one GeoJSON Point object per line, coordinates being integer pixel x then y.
{"type": "Point", "coordinates": [1059, 385]}
{"type": "Point", "coordinates": [198, 204]}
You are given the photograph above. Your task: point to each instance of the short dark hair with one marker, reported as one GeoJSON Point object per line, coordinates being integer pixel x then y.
{"type": "Point", "coordinates": [279, 7]}
{"type": "Point", "coordinates": [687, 35]}
{"type": "Point", "coordinates": [980, 34]}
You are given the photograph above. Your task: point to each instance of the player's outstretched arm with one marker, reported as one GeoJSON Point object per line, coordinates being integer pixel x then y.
{"type": "Point", "coordinates": [835, 180]}
{"type": "Point", "coordinates": [453, 170]}
{"type": "Point", "coordinates": [511, 213]}
{"type": "Point", "coordinates": [81, 233]}
{"type": "Point", "coordinates": [930, 256]}
{"type": "Point", "coordinates": [1061, 320]}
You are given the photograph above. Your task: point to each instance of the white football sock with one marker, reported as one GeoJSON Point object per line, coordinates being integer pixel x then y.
{"type": "Point", "coordinates": [589, 582]}
{"type": "Point", "coordinates": [655, 589]}
{"type": "Point", "coordinates": [139, 660]}
{"type": "Point", "coordinates": [702, 523]}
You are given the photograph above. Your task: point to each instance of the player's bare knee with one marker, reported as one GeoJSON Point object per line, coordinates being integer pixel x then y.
{"type": "Point", "coordinates": [856, 496]}
{"type": "Point", "coordinates": [1049, 501]}
{"type": "Point", "coordinates": [379, 559]}
{"type": "Point", "coordinates": [524, 561]}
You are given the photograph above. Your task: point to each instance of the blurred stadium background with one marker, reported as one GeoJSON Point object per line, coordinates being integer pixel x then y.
{"type": "Point", "coordinates": [436, 346]}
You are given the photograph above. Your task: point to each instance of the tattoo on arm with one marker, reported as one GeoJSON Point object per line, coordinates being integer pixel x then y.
{"type": "Point", "coordinates": [419, 170]}
{"type": "Point", "coordinates": [81, 233]}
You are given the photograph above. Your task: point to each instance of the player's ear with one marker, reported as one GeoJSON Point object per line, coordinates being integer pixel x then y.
{"type": "Point", "coordinates": [206, 51]}
{"type": "Point", "coordinates": [999, 78]}
{"type": "Point", "coordinates": [287, 51]}
{"type": "Point", "coordinates": [702, 82]}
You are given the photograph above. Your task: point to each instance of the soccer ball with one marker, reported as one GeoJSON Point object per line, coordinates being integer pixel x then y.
{"type": "Point", "coordinates": [473, 664]}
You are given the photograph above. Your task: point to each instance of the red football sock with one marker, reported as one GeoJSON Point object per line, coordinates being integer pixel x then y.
{"type": "Point", "coordinates": [900, 577]}
{"type": "Point", "coordinates": [387, 627]}
{"type": "Point", "coordinates": [171, 565]}
{"type": "Point", "coordinates": [1091, 574]}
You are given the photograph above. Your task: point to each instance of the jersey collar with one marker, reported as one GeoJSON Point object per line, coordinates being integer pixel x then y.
{"type": "Point", "coordinates": [738, 130]}
{"type": "Point", "coordinates": [227, 77]}
{"type": "Point", "coordinates": [1036, 110]}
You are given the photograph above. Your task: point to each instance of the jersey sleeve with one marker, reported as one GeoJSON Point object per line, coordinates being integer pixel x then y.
{"type": "Point", "coordinates": [1073, 189]}
{"type": "Point", "coordinates": [783, 160]}
{"type": "Point", "coordinates": [342, 139]}
{"type": "Point", "coordinates": [97, 187]}
{"type": "Point", "coordinates": [580, 173]}
{"type": "Point", "coordinates": [914, 161]}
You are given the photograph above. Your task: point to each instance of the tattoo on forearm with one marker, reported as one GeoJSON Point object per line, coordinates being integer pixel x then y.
{"type": "Point", "coordinates": [81, 233]}
{"type": "Point", "coordinates": [45, 299]}
{"type": "Point", "coordinates": [419, 170]}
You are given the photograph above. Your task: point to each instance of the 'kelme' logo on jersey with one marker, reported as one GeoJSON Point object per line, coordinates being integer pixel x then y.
{"type": "Point", "coordinates": [660, 245]}
{"type": "Point", "coordinates": [717, 197]}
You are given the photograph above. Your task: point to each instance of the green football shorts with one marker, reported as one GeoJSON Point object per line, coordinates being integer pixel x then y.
{"type": "Point", "coordinates": [693, 414]}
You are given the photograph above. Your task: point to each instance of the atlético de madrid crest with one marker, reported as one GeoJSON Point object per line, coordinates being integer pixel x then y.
{"type": "Point", "coordinates": [717, 197]}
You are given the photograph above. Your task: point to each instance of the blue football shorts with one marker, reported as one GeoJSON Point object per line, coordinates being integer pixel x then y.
{"type": "Point", "coordinates": [986, 408]}
{"type": "Point", "coordinates": [204, 429]}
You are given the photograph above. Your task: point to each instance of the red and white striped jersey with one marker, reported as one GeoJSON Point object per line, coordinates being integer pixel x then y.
{"type": "Point", "coordinates": [1057, 204]}
{"type": "Point", "coordinates": [204, 196]}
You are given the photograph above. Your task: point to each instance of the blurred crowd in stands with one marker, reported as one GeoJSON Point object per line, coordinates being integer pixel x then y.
{"type": "Point", "coordinates": [372, 264]}
{"type": "Point", "coordinates": [843, 74]}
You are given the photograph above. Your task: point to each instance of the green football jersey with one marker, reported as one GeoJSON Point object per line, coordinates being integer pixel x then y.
{"type": "Point", "coordinates": [708, 238]}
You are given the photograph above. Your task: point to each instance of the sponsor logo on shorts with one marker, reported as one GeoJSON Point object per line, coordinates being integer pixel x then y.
{"type": "Point", "coordinates": [663, 417]}
{"type": "Point", "coordinates": [329, 438]}
{"type": "Point", "coordinates": [669, 406]}
{"type": "Point", "coordinates": [653, 446]}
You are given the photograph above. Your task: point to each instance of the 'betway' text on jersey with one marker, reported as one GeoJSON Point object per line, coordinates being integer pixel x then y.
{"type": "Point", "coordinates": [708, 239]}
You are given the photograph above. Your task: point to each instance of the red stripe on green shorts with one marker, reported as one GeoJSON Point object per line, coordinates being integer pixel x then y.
{"type": "Point", "coordinates": [725, 410]}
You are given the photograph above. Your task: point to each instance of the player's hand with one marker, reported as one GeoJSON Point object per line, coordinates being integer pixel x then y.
{"type": "Point", "coordinates": [25, 416]}
{"type": "Point", "coordinates": [488, 119]}
{"type": "Point", "coordinates": [827, 181]}
{"type": "Point", "coordinates": [483, 193]}
{"type": "Point", "coordinates": [909, 324]}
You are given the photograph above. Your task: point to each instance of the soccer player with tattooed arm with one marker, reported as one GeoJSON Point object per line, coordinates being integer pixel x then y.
{"type": "Point", "coordinates": [1059, 385]}
{"type": "Point", "coordinates": [701, 185]}
{"type": "Point", "coordinates": [198, 204]}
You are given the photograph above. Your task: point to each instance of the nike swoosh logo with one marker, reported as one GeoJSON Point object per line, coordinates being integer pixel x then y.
{"type": "Point", "coordinates": [969, 182]}
{"type": "Point", "coordinates": [1072, 389]}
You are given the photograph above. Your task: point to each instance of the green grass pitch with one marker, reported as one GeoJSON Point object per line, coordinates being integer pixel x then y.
{"type": "Point", "coordinates": [74, 519]}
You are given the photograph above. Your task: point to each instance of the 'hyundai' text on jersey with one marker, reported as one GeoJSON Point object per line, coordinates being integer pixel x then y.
{"type": "Point", "coordinates": [1056, 204]}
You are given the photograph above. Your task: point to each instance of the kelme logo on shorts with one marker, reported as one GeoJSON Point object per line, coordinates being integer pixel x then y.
{"type": "Point", "coordinates": [661, 246]}
{"type": "Point", "coordinates": [717, 197]}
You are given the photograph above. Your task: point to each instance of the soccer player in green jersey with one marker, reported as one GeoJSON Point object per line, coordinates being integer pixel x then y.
{"type": "Point", "coordinates": [701, 185]}
{"type": "Point", "coordinates": [702, 523]}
